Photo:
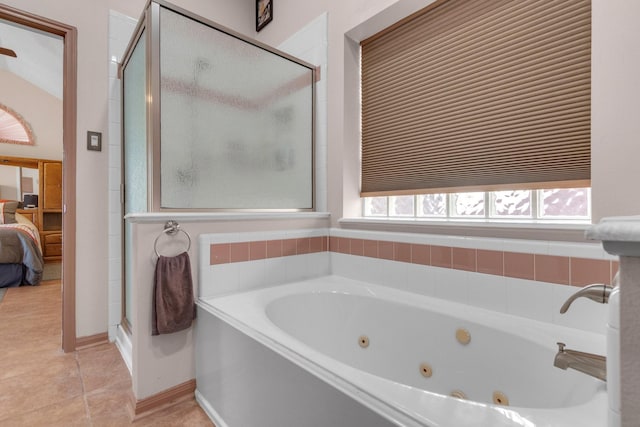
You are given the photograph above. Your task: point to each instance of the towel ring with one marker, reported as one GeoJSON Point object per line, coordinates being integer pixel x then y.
{"type": "Point", "coordinates": [171, 228]}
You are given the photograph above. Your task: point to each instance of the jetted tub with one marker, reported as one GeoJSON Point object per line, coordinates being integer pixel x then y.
{"type": "Point", "coordinates": [334, 351]}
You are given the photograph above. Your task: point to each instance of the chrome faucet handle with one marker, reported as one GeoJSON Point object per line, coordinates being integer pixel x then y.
{"type": "Point", "coordinates": [596, 292]}
{"type": "Point", "coordinates": [561, 346]}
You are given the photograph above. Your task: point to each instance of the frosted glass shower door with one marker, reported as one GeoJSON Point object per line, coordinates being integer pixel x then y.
{"type": "Point", "coordinates": [135, 151]}
{"type": "Point", "coordinates": [236, 122]}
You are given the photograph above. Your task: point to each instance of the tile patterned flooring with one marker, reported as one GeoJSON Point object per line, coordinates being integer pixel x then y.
{"type": "Point", "coordinates": [42, 386]}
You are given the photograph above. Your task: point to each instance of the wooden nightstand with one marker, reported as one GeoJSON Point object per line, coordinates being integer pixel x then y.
{"type": "Point", "coordinates": [31, 214]}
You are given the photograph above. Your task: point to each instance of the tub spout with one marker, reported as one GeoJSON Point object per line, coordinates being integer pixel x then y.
{"type": "Point", "coordinates": [598, 293]}
{"type": "Point", "coordinates": [587, 363]}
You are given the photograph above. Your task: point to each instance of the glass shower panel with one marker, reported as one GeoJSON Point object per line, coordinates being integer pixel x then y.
{"type": "Point", "coordinates": [135, 130]}
{"type": "Point", "coordinates": [236, 122]}
{"type": "Point", "coordinates": [135, 151]}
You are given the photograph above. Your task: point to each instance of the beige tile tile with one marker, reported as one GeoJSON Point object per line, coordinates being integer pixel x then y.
{"type": "Point", "coordinates": [333, 243]}
{"type": "Point", "coordinates": [65, 413]}
{"type": "Point", "coordinates": [552, 269]}
{"type": "Point", "coordinates": [39, 389]}
{"type": "Point", "coordinates": [325, 243]}
{"type": "Point", "coordinates": [385, 250]}
{"type": "Point", "coordinates": [109, 407]}
{"type": "Point", "coordinates": [370, 248]}
{"type": "Point", "coordinates": [464, 259]}
{"type": "Point", "coordinates": [26, 361]}
{"type": "Point", "coordinates": [239, 252]}
{"type": "Point", "coordinates": [219, 254]}
{"type": "Point", "coordinates": [303, 245]}
{"type": "Point", "coordinates": [344, 245]}
{"type": "Point", "coordinates": [274, 248]}
{"type": "Point", "coordinates": [587, 271]}
{"type": "Point", "coordinates": [421, 254]}
{"type": "Point", "coordinates": [489, 262]}
{"type": "Point", "coordinates": [402, 252]}
{"type": "Point", "coordinates": [289, 247]}
{"type": "Point", "coordinates": [519, 265]}
{"type": "Point", "coordinates": [357, 247]}
{"type": "Point", "coordinates": [257, 250]}
{"type": "Point", "coordinates": [441, 256]}
{"type": "Point", "coordinates": [315, 244]}
{"type": "Point", "coordinates": [102, 367]}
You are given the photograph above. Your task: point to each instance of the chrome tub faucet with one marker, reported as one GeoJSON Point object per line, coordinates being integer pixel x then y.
{"type": "Point", "coordinates": [587, 363]}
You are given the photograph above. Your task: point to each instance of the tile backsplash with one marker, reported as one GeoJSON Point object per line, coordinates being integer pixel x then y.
{"type": "Point", "coordinates": [562, 270]}
{"type": "Point", "coordinates": [513, 276]}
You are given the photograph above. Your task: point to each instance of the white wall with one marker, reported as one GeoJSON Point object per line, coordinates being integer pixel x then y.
{"type": "Point", "coordinates": [9, 182]}
{"type": "Point", "coordinates": [615, 107]}
{"type": "Point", "coordinates": [164, 361]}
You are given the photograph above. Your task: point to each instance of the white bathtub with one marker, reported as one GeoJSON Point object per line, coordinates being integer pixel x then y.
{"type": "Point", "coordinates": [268, 335]}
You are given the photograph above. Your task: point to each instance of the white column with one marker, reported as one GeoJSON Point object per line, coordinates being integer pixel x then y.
{"type": "Point", "coordinates": [621, 236]}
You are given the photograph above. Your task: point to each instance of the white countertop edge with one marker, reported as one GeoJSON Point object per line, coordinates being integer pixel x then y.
{"type": "Point", "coordinates": [617, 228]}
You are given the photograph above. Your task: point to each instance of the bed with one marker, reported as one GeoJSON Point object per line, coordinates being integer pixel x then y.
{"type": "Point", "coordinates": [21, 261]}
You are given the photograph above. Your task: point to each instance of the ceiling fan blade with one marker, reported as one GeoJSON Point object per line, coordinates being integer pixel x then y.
{"type": "Point", "coordinates": [8, 52]}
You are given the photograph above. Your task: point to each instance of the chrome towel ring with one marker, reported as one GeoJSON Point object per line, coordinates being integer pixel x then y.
{"type": "Point", "coordinates": [171, 228]}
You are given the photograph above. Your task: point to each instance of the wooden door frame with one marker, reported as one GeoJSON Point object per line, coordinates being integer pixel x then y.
{"type": "Point", "coordinates": [69, 36]}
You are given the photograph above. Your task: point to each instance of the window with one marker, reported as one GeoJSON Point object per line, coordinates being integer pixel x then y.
{"type": "Point", "coordinates": [13, 128]}
{"type": "Point", "coordinates": [565, 204]}
{"type": "Point", "coordinates": [474, 99]}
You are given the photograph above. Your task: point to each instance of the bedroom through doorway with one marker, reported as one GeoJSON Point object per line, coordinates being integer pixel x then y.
{"type": "Point", "coordinates": [31, 36]}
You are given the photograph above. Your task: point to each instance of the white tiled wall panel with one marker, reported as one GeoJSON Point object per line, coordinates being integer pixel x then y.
{"type": "Point", "coordinates": [310, 45]}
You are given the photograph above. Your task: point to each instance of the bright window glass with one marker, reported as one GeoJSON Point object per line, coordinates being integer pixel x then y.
{"type": "Point", "coordinates": [432, 205]}
{"type": "Point", "coordinates": [566, 204]}
{"type": "Point", "coordinates": [401, 206]}
{"type": "Point", "coordinates": [375, 206]}
{"type": "Point", "coordinates": [468, 204]}
{"type": "Point", "coordinates": [511, 204]}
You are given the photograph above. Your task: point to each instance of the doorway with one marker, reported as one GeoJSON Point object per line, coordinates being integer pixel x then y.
{"type": "Point", "coordinates": [69, 110]}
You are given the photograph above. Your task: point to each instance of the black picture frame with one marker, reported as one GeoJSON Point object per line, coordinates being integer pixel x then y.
{"type": "Point", "coordinates": [264, 13]}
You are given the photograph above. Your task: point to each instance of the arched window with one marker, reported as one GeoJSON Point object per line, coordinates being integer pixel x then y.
{"type": "Point", "coordinates": [13, 128]}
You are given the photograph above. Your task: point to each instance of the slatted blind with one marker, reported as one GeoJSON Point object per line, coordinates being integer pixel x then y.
{"type": "Point", "coordinates": [478, 95]}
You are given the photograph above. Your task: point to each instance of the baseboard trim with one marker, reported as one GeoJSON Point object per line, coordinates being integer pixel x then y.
{"type": "Point", "coordinates": [171, 396]}
{"type": "Point", "coordinates": [123, 342]}
{"type": "Point", "coordinates": [91, 340]}
{"type": "Point", "coordinates": [208, 409]}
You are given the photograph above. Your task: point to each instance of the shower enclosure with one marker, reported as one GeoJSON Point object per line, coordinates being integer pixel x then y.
{"type": "Point", "coordinates": [212, 121]}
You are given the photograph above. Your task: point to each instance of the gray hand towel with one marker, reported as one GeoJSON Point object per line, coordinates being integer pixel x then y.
{"type": "Point", "coordinates": [173, 302]}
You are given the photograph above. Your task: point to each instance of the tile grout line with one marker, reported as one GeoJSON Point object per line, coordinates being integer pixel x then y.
{"type": "Point", "coordinates": [84, 393]}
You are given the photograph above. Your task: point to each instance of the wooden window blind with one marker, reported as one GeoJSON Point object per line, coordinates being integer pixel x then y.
{"type": "Point", "coordinates": [478, 95]}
